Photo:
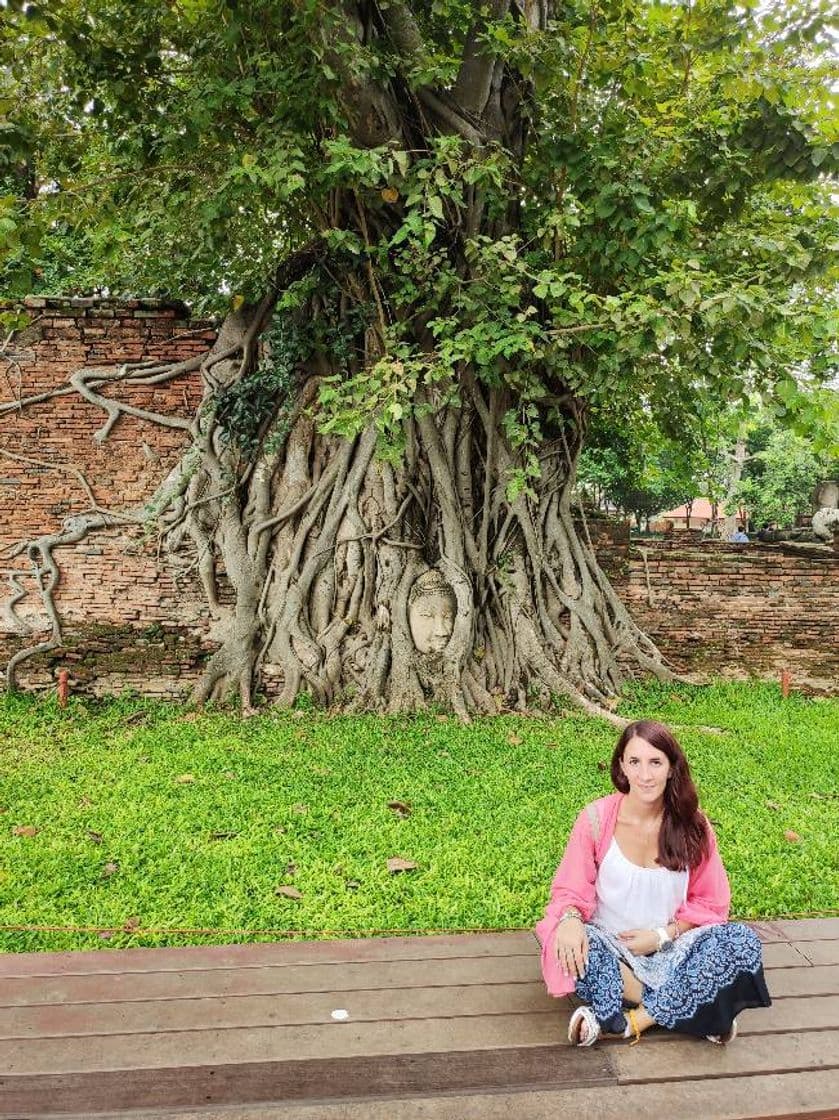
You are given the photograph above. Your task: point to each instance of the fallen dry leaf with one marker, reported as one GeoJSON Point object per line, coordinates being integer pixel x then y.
{"type": "Point", "coordinates": [390, 194]}
{"type": "Point", "coordinates": [110, 869]}
{"type": "Point", "coordinates": [513, 739]}
{"type": "Point", "coordinates": [300, 808]}
{"type": "Point", "coordinates": [135, 718]}
{"type": "Point", "coordinates": [793, 837]}
{"type": "Point", "coordinates": [131, 924]}
{"type": "Point", "coordinates": [352, 884]}
{"type": "Point", "coordinates": [85, 803]}
{"type": "Point", "coordinates": [96, 837]}
{"type": "Point", "coordinates": [184, 779]}
{"type": "Point", "coordinates": [396, 864]}
{"type": "Point", "coordinates": [25, 830]}
{"type": "Point", "coordinates": [773, 805]}
{"type": "Point", "coordinates": [288, 892]}
{"type": "Point", "coordinates": [400, 808]}
{"type": "Point", "coordinates": [291, 868]}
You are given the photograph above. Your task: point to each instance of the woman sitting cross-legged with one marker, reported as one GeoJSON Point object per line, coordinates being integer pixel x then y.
{"type": "Point", "coordinates": [639, 907]}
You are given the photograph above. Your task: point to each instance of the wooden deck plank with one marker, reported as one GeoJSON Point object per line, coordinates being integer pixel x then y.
{"type": "Point", "coordinates": [276, 1044]}
{"type": "Point", "coordinates": [815, 980]}
{"type": "Point", "coordinates": [446, 1001]}
{"type": "Point", "coordinates": [106, 988]}
{"type": "Point", "coordinates": [808, 929]}
{"type": "Point", "coordinates": [758, 1053]}
{"type": "Point", "coordinates": [796, 1014]}
{"type": "Point", "coordinates": [351, 1039]}
{"type": "Point", "coordinates": [784, 954]}
{"type": "Point", "coordinates": [790, 1096]}
{"type": "Point", "coordinates": [223, 1013]}
{"type": "Point", "coordinates": [405, 1074]}
{"type": "Point", "coordinates": [260, 954]}
{"type": "Point", "coordinates": [820, 952]}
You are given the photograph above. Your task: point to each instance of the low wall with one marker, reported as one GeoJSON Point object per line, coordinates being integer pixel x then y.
{"type": "Point", "coordinates": [714, 607]}
{"type": "Point", "coordinates": [128, 623]}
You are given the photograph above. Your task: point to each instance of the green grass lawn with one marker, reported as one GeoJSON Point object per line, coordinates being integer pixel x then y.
{"type": "Point", "coordinates": [189, 820]}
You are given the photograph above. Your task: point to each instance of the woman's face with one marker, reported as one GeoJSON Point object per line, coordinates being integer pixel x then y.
{"type": "Point", "coordinates": [646, 769]}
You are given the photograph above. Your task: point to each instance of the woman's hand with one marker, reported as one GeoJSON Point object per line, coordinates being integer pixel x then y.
{"type": "Point", "coordinates": [572, 947]}
{"type": "Point", "coordinates": [641, 942]}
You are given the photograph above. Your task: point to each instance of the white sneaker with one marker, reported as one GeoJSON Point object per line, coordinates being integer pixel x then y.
{"type": "Point", "coordinates": [722, 1039]}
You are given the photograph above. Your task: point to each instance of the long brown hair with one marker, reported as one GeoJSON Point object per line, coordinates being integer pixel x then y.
{"type": "Point", "coordinates": [683, 839]}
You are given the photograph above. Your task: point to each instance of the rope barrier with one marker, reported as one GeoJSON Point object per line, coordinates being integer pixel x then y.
{"type": "Point", "coordinates": [208, 932]}
{"type": "Point", "coordinates": [315, 933]}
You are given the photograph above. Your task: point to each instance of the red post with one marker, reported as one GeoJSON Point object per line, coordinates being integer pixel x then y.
{"type": "Point", "coordinates": [785, 683]}
{"type": "Point", "coordinates": [63, 687]}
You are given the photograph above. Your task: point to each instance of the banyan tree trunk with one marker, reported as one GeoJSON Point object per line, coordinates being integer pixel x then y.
{"type": "Point", "coordinates": [379, 586]}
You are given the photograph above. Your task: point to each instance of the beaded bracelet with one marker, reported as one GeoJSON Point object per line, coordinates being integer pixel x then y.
{"type": "Point", "coordinates": [571, 912]}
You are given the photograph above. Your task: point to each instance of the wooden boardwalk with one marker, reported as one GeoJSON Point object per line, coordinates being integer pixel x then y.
{"type": "Point", "coordinates": [452, 1027]}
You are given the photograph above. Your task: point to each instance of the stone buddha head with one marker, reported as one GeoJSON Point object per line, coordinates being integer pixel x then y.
{"type": "Point", "coordinates": [431, 611]}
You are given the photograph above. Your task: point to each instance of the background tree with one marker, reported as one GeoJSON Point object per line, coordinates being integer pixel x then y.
{"type": "Point", "coordinates": [785, 462]}
{"type": "Point", "coordinates": [635, 470]}
{"type": "Point", "coordinates": [440, 233]}
{"type": "Point", "coordinates": [779, 479]}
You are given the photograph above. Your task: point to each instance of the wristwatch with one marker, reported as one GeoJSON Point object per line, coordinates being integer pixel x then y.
{"type": "Point", "coordinates": [665, 941]}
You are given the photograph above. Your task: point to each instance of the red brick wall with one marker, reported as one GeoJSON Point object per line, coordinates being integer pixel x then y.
{"type": "Point", "coordinates": [710, 606]}
{"type": "Point", "coordinates": [739, 609]}
{"type": "Point", "coordinates": [111, 585]}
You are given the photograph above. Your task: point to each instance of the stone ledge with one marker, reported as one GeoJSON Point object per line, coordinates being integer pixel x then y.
{"type": "Point", "coordinates": [81, 308]}
{"type": "Point", "coordinates": [93, 303]}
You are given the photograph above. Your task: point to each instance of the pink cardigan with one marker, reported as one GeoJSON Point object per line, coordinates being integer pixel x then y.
{"type": "Point", "coordinates": [708, 892]}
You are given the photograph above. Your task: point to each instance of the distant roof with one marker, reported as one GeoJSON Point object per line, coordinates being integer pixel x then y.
{"type": "Point", "coordinates": [701, 508]}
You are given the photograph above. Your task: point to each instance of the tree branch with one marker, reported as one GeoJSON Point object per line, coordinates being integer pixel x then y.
{"type": "Point", "coordinates": [450, 115]}
{"type": "Point", "coordinates": [402, 29]}
{"type": "Point", "coordinates": [472, 87]}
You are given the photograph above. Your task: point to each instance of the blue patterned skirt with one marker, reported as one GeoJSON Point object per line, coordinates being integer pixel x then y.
{"type": "Point", "coordinates": [698, 987]}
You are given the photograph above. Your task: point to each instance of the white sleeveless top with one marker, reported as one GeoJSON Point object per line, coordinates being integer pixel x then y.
{"type": "Point", "coordinates": [633, 897]}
